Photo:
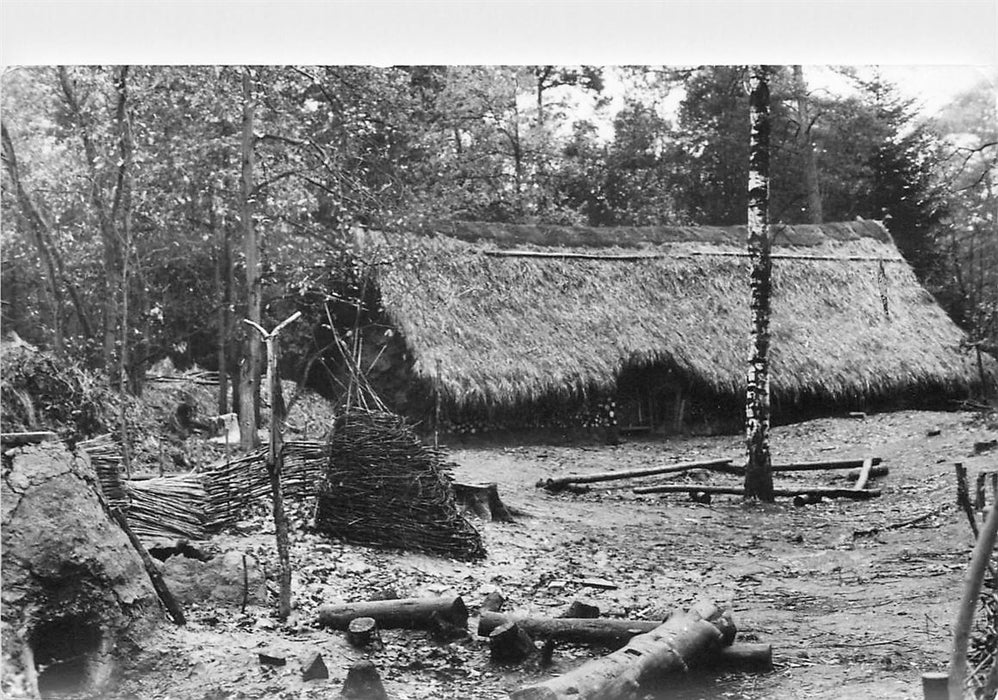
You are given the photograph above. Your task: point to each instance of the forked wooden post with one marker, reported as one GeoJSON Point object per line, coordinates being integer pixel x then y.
{"type": "Point", "coordinates": [275, 459]}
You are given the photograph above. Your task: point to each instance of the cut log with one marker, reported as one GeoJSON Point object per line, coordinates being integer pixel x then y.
{"type": "Point", "coordinates": [509, 644]}
{"type": "Point", "coordinates": [411, 613]}
{"type": "Point", "coordinates": [362, 631]}
{"type": "Point", "coordinates": [808, 491]}
{"type": "Point", "coordinates": [875, 472]}
{"type": "Point", "coordinates": [27, 438]}
{"type": "Point", "coordinates": [648, 658]}
{"type": "Point", "coordinates": [363, 682]}
{"type": "Point", "coordinates": [563, 481]}
{"type": "Point", "coordinates": [604, 631]}
{"type": "Point", "coordinates": [493, 602]}
{"type": "Point", "coordinates": [482, 500]}
{"type": "Point", "coordinates": [757, 658]}
{"type": "Point", "coordinates": [581, 610]}
{"type": "Point", "coordinates": [864, 474]}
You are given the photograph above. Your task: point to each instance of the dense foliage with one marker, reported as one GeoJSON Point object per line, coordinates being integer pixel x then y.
{"type": "Point", "coordinates": [123, 217]}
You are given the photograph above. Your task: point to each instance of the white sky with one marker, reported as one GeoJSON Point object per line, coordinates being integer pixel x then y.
{"type": "Point", "coordinates": [934, 44]}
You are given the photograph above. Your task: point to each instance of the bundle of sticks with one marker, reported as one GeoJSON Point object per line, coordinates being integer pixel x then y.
{"type": "Point", "coordinates": [383, 487]}
{"type": "Point", "coordinates": [105, 456]}
{"type": "Point", "coordinates": [167, 506]}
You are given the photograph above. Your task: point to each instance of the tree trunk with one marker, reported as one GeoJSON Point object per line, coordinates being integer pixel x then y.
{"type": "Point", "coordinates": [413, 613]}
{"type": "Point", "coordinates": [105, 217]}
{"type": "Point", "coordinates": [807, 149]}
{"type": "Point", "coordinates": [250, 368]}
{"type": "Point", "coordinates": [223, 287]}
{"type": "Point", "coordinates": [38, 225]}
{"type": "Point", "coordinates": [758, 475]}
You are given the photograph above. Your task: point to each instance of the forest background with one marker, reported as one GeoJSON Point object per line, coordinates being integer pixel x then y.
{"type": "Point", "coordinates": [127, 204]}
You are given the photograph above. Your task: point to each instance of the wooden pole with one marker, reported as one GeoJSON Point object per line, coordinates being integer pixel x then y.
{"type": "Point", "coordinates": [864, 474]}
{"type": "Point", "coordinates": [979, 561]}
{"type": "Point", "coordinates": [823, 491]}
{"type": "Point", "coordinates": [275, 459]}
{"type": "Point", "coordinates": [562, 481]}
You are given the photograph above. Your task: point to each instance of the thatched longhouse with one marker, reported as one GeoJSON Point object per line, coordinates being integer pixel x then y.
{"type": "Point", "coordinates": [507, 321]}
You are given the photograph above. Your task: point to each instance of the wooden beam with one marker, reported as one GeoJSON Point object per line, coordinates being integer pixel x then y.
{"type": "Point", "coordinates": [562, 481]}
{"type": "Point", "coordinates": [822, 491]}
{"type": "Point", "coordinates": [27, 438]}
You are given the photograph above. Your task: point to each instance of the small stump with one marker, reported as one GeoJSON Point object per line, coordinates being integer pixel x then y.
{"type": "Point", "coordinates": [363, 631]}
{"type": "Point", "coordinates": [508, 644]}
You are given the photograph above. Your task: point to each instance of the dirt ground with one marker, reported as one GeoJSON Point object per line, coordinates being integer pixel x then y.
{"type": "Point", "coordinates": [855, 603]}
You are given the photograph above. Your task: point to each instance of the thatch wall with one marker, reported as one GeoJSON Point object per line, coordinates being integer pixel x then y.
{"type": "Point", "coordinates": [850, 321]}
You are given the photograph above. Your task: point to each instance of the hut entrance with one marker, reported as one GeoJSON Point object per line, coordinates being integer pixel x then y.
{"type": "Point", "coordinates": [651, 399]}
{"type": "Point", "coordinates": [67, 656]}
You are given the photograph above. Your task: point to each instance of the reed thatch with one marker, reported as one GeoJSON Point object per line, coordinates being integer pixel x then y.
{"type": "Point", "coordinates": [850, 321]}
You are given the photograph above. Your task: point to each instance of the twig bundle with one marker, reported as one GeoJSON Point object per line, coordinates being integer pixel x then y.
{"type": "Point", "coordinates": [383, 487]}
{"type": "Point", "coordinates": [167, 506]}
{"type": "Point", "coordinates": [105, 456]}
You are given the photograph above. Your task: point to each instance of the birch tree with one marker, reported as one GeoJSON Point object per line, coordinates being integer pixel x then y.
{"type": "Point", "coordinates": [758, 472]}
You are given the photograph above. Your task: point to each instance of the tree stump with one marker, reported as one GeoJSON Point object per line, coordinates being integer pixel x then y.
{"type": "Point", "coordinates": [510, 644]}
{"type": "Point", "coordinates": [363, 682]}
{"type": "Point", "coordinates": [363, 631]}
{"type": "Point", "coordinates": [483, 501]}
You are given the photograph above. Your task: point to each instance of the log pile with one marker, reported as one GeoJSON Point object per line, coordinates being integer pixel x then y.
{"type": "Point", "coordinates": [382, 487]}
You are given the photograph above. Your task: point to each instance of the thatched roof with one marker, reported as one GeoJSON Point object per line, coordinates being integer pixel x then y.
{"type": "Point", "coordinates": [490, 327]}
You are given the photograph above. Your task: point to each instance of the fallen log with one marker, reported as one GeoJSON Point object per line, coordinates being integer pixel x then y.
{"type": "Point", "coordinates": [407, 613]}
{"type": "Point", "coordinates": [811, 492]}
{"type": "Point", "coordinates": [604, 631]}
{"type": "Point", "coordinates": [563, 481]}
{"type": "Point", "coordinates": [628, 673]}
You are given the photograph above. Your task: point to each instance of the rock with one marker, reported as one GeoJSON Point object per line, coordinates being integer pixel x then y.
{"type": "Point", "coordinates": [225, 580]}
{"type": "Point", "coordinates": [364, 683]}
{"type": "Point", "coordinates": [74, 589]}
{"type": "Point", "coordinates": [271, 659]}
{"type": "Point", "coordinates": [314, 667]}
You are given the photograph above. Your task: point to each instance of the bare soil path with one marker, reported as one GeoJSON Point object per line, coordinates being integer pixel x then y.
{"type": "Point", "coordinates": [855, 604]}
